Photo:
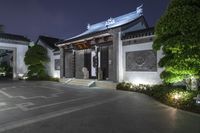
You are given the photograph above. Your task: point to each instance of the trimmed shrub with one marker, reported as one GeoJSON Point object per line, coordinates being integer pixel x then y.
{"type": "Point", "coordinates": [47, 78]}
{"type": "Point", "coordinates": [175, 96]}
{"type": "Point", "coordinates": [36, 58]}
{"type": "Point", "coordinates": [124, 86]}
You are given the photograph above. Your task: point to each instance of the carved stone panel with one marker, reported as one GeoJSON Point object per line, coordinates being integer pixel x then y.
{"type": "Point", "coordinates": [141, 61]}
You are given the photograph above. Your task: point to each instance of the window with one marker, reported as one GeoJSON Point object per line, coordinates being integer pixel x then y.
{"type": "Point", "coordinates": [57, 64]}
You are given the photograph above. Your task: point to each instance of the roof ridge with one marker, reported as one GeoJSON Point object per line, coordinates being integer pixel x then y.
{"type": "Point", "coordinates": [11, 34]}
{"type": "Point", "coordinates": [50, 37]}
{"type": "Point", "coordinates": [138, 11]}
{"type": "Point", "coordinates": [109, 24]}
{"type": "Point", "coordinates": [14, 37]}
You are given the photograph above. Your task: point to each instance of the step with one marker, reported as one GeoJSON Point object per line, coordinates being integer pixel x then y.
{"type": "Point", "coordinates": [89, 83]}
{"type": "Point", "coordinates": [81, 82]}
{"type": "Point", "coordinates": [64, 80]}
{"type": "Point", "coordinates": [106, 84]}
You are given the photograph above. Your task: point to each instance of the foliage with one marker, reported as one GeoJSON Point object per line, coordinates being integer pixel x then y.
{"type": "Point", "coordinates": [5, 68]}
{"type": "Point", "coordinates": [176, 96]}
{"type": "Point", "coordinates": [47, 78]}
{"type": "Point", "coordinates": [36, 59]}
{"type": "Point", "coordinates": [181, 98]}
{"type": "Point", "coordinates": [53, 79]}
{"type": "Point", "coordinates": [178, 34]}
{"type": "Point", "coordinates": [124, 86]}
{"type": "Point", "coordinates": [130, 87]}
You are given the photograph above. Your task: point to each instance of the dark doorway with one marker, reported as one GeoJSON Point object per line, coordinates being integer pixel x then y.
{"type": "Point", "coordinates": [69, 64]}
{"type": "Point", "coordinates": [104, 57]}
{"type": "Point", "coordinates": [87, 61]}
{"type": "Point", "coordinates": [6, 64]}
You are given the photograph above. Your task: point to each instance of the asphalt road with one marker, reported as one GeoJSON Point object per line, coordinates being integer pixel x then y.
{"type": "Point", "coordinates": [49, 107]}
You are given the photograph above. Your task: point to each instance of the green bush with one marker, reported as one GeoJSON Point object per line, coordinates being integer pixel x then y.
{"type": "Point", "coordinates": [47, 78]}
{"type": "Point", "coordinates": [180, 98]}
{"type": "Point", "coordinates": [178, 36]}
{"type": "Point", "coordinates": [36, 58]}
{"type": "Point", "coordinates": [53, 79]}
{"type": "Point", "coordinates": [124, 86]}
{"type": "Point", "coordinates": [176, 96]}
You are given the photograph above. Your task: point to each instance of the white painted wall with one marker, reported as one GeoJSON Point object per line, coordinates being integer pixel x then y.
{"type": "Point", "coordinates": [54, 73]}
{"type": "Point", "coordinates": [51, 65]}
{"type": "Point", "coordinates": [141, 77]}
{"type": "Point", "coordinates": [120, 59]}
{"type": "Point", "coordinates": [21, 49]}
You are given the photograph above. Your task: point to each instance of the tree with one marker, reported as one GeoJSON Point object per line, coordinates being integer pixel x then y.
{"type": "Point", "coordinates": [178, 35]}
{"type": "Point", "coordinates": [36, 58]}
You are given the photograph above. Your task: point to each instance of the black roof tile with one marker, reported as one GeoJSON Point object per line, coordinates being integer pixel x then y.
{"type": "Point", "coordinates": [138, 33]}
{"type": "Point", "coordinates": [49, 41]}
{"type": "Point", "coordinates": [13, 37]}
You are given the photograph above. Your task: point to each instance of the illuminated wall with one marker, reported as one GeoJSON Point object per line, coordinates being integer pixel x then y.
{"type": "Point", "coordinates": [140, 67]}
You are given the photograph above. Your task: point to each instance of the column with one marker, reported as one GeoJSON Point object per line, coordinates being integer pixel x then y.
{"type": "Point", "coordinates": [15, 74]}
{"type": "Point", "coordinates": [117, 64]}
{"type": "Point", "coordinates": [62, 62]}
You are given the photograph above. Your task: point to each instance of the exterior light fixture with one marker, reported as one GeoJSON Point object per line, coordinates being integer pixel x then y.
{"type": "Point", "coordinates": [24, 78]}
{"type": "Point", "coordinates": [20, 74]}
{"type": "Point", "coordinates": [177, 96]}
{"type": "Point", "coordinates": [197, 99]}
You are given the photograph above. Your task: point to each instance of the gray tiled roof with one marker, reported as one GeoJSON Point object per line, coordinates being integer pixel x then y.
{"type": "Point", "coordinates": [138, 33]}
{"type": "Point", "coordinates": [50, 41]}
{"type": "Point", "coordinates": [109, 24]}
{"type": "Point", "coordinates": [13, 37]}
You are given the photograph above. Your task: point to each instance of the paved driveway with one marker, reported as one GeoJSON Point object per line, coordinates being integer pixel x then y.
{"type": "Point", "coordinates": [48, 107]}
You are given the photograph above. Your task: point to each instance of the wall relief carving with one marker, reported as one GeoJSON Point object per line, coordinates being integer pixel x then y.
{"type": "Point", "coordinates": [141, 61]}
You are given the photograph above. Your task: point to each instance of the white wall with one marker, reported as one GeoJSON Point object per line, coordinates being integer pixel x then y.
{"type": "Point", "coordinates": [21, 49]}
{"type": "Point", "coordinates": [141, 77]}
{"type": "Point", "coordinates": [54, 73]}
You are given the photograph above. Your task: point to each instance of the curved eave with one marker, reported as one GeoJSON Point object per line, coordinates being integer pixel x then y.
{"type": "Point", "coordinates": [19, 42]}
{"type": "Point", "coordinates": [80, 38]}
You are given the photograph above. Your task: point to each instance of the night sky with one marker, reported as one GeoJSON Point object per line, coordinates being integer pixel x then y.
{"type": "Point", "coordinates": [66, 18]}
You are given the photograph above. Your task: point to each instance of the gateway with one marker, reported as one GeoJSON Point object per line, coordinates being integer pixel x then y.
{"type": "Point", "coordinates": [119, 49]}
{"type": "Point", "coordinates": [12, 52]}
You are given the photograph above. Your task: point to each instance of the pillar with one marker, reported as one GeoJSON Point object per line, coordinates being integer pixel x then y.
{"type": "Point", "coordinates": [116, 52]}
{"type": "Point", "coordinates": [62, 62]}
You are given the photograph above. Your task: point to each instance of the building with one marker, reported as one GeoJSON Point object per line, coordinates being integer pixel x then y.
{"type": "Point", "coordinates": [140, 62]}
{"type": "Point", "coordinates": [119, 49]}
{"type": "Point", "coordinates": [12, 52]}
{"type": "Point", "coordinates": [53, 67]}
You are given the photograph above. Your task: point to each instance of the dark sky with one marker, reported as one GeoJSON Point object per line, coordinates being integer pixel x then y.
{"type": "Point", "coordinates": [66, 18]}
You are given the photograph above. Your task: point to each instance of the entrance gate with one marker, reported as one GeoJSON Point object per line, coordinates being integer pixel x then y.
{"type": "Point", "coordinates": [8, 61]}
